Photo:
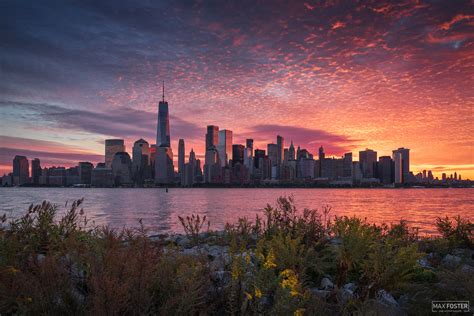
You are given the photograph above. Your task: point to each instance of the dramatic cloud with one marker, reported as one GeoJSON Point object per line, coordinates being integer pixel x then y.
{"type": "Point", "coordinates": [377, 74]}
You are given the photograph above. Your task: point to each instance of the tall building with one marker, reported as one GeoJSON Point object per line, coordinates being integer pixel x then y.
{"type": "Point", "coordinates": [113, 146]}
{"type": "Point", "coordinates": [249, 145]}
{"type": "Point", "coordinates": [281, 150]}
{"type": "Point", "coordinates": [85, 172]}
{"type": "Point", "coordinates": [190, 171]}
{"type": "Point", "coordinates": [398, 167]}
{"type": "Point", "coordinates": [181, 161]}
{"type": "Point", "coordinates": [163, 127]}
{"type": "Point", "coordinates": [224, 146]}
{"type": "Point", "coordinates": [122, 169]}
{"type": "Point", "coordinates": [347, 165]}
{"type": "Point", "coordinates": [141, 161]}
{"type": "Point", "coordinates": [367, 159]}
{"type": "Point", "coordinates": [273, 154]}
{"type": "Point", "coordinates": [164, 169]}
{"type": "Point", "coordinates": [405, 153]}
{"type": "Point", "coordinates": [237, 154]}
{"type": "Point", "coordinates": [212, 166]}
{"type": "Point", "coordinates": [385, 170]}
{"type": "Point", "coordinates": [21, 170]}
{"type": "Point", "coordinates": [286, 155]}
{"type": "Point", "coordinates": [259, 154]}
{"type": "Point", "coordinates": [35, 171]}
{"type": "Point", "coordinates": [281, 147]}
{"type": "Point", "coordinates": [321, 154]}
{"type": "Point", "coordinates": [152, 160]}
{"type": "Point", "coordinates": [212, 136]}
{"type": "Point", "coordinates": [291, 152]}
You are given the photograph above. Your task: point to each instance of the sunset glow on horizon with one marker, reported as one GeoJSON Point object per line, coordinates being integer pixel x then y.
{"type": "Point", "coordinates": [341, 74]}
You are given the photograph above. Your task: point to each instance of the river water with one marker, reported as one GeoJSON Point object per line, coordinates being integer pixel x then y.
{"type": "Point", "coordinates": [159, 209]}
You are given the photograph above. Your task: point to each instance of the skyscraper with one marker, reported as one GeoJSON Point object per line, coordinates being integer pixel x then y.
{"type": "Point", "coordinates": [163, 127]}
{"type": "Point", "coordinates": [291, 152]}
{"type": "Point", "coordinates": [405, 154]}
{"type": "Point", "coordinates": [225, 146]}
{"type": "Point", "coordinates": [259, 155]}
{"type": "Point", "coordinates": [347, 165]}
{"type": "Point", "coordinates": [21, 170]}
{"type": "Point", "coordinates": [122, 169]}
{"type": "Point", "coordinates": [281, 149]}
{"type": "Point", "coordinates": [141, 161]}
{"type": "Point", "coordinates": [385, 170]}
{"type": "Point", "coordinates": [212, 136]}
{"type": "Point", "coordinates": [273, 154]}
{"type": "Point", "coordinates": [35, 171]}
{"type": "Point", "coordinates": [398, 167]}
{"type": "Point", "coordinates": [367, 159]}
{"type": "Point", "coordinates": [164, 170]}
{"type": "Point", "coordinates": [249, 145]}
{"type": "Point", "coordinates": [321, 153]}
{"type": "Point", "coordinates": [113, 146]}
{"type": "Point", "coordinates": [181, 161]}
{"type": "Point", "coordinates": [237, 154]}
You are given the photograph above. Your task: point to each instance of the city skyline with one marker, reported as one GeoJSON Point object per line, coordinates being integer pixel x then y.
{"type": "Point", "coordinates": [348, 77]}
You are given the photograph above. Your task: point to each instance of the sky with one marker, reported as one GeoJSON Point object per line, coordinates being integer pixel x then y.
{"type": "Point", "coordinates": [347, 75]}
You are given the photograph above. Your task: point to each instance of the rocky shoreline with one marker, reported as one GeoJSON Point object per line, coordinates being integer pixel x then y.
{"type": "Point", "coordinates": [219, 259]}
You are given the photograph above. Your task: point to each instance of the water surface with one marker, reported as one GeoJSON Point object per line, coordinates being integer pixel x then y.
{"type": "Point", "coordinates": [159, 210]}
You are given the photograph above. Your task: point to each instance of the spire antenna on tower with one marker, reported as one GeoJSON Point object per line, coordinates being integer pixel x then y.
{"type": "Point", "coordinates": [163, 91]}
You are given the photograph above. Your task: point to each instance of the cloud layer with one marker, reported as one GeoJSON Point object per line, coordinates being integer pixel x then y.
{"type": "Point", "coordinates": [344, 74]}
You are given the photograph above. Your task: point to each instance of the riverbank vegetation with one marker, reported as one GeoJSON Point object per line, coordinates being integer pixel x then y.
{"type": "Point", "coordinates": [285, 262]}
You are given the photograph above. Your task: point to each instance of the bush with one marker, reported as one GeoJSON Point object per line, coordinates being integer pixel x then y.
{"type": "Point", "coordinates": [459, 231]}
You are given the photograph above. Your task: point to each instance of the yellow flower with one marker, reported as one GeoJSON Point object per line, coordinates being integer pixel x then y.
{"type": "Point", "coordinates": [249, 296]}
{"type": "Point", "coordinates": [299, 312]}
{"type": "Point", "coordinates": [12, 270]}
{"type": "Point", "coordinates": [289, 281]}
{"type": "Point", "coordinates": [247, 258]}
{"type": "Point", "coordinates": [270, 261]}
{"type": "Point", "coordinates": [235, 272]}
{"type": "Point", "coordinates": [258, 293]}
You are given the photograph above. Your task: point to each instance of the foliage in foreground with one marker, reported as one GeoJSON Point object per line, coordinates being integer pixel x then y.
{"type": "Point", "coordinates": [274, 265]}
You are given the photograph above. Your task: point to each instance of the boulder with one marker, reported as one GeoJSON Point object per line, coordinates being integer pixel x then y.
{"type": "Point", "coordinates": [450, 261]}
{"type": "Point", "coordinates": [326, 284]}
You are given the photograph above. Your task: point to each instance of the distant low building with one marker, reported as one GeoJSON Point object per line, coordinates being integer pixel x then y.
{"type": "Point", "coordinates": [102, 176]}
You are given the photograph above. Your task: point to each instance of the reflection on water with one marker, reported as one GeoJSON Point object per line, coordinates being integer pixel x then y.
{"type": "Point", "coordinates": [159, 210]}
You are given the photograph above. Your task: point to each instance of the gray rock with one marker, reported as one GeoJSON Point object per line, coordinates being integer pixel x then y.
{"type": "Point", "coordinates": [465, 268]}
{"type": "Point", "coordinates": [350, 286]}
{"type": "Point", "coordinates": [221, 277]}
{"type": "Point", "coordinates": [386, 298]}
{"type": "Point", "coordinates": [385, 304]}
{"type": "Point", "coordinates": [450, 261]}
{"type": "Point", "coordinates": [347, 292]}
{"type": "Point", "coordinates": [183, 241]}
{"type": "Point", "coordinates": [423, 262]}
{"type": "Point", "coordinates": [326, 284]}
